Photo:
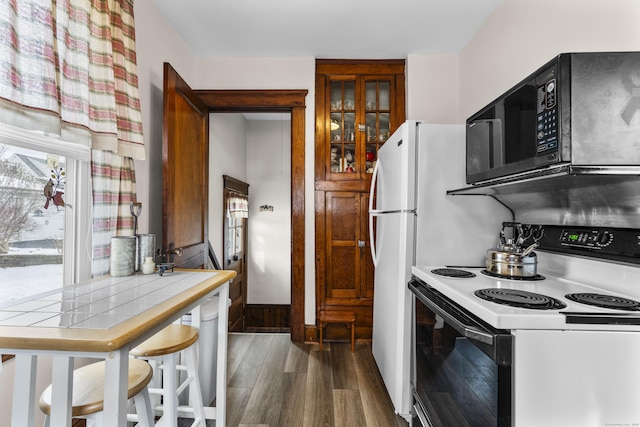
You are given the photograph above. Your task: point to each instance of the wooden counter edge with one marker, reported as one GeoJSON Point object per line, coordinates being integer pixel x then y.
{"type": "Point", "coordinates": [106, 340]}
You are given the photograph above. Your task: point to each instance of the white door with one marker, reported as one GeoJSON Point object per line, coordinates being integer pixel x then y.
{"type": "Point", "coordinates": [392, 305]}
{"type": "Point", "coordinates": [394, 173]}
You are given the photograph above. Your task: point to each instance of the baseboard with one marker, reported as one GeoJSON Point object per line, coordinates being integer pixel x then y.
{"type": "Point", "coordinates": [267, 316]}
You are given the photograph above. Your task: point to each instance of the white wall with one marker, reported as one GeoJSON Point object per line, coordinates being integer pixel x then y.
{"type": "Point", "coordinates": [269, 177]}
{"type": "Point", "coordinates": [227, 156]}
{"type": "Point", "coordinates": [156, 43]}
{"type": "Point", "coordinates": [275, 73]}
{"type": "Point", "coordinates": [432, 85]}
{"type": "Point", "coordinates": [522, 35]}
{"type": "Point", "coordinates": [519, 37]}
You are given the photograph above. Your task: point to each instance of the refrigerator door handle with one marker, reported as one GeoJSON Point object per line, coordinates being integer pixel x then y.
{"type": "Point", "coordinates": [372, 243]}
{"type": "Point", "coordinates": [377, 213]}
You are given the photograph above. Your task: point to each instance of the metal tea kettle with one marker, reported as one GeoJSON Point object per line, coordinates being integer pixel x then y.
{"type": "Point", "coordinates": [510, 258]}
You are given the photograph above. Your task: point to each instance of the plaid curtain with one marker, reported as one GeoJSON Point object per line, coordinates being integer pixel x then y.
{"type": "Point", "coordinates": [68, 68]}
{"type": "Point", "coordinates": [114, 187]}
{"type": "Point", "coordinates": [238, 206]}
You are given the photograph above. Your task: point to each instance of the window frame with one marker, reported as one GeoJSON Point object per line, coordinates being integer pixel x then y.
{"type": "Point", "coordinates": [77, 246]}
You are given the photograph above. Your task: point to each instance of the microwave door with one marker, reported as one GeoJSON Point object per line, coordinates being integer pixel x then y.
{"type": "Point", "coordinates": [485, 147]}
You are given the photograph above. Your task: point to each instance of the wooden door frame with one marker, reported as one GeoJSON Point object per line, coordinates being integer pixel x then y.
{"type": "Point", "coordinates": [278, 101]}
{"type": "Point", "coordinates": [235, 186]}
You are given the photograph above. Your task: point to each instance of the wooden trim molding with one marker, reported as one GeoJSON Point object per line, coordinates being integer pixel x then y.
{"type": "Point", "coordinates": [236, 185]}
{"type": "Point", "coordinates": [360, 66]}
{"type": "Point", "coordinates": [254, 100]}
{"type": "Point", "coordinates": [292, 101]}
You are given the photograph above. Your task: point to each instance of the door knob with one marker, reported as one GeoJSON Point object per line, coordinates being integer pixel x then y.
{"type": "Point", "coordinates": [177, 251]}
{"type": "Point", "coordinates": [168, 254]}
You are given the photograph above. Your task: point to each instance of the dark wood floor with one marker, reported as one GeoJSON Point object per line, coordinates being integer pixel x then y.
{"type": "Point", "coordinates": [273, 382]}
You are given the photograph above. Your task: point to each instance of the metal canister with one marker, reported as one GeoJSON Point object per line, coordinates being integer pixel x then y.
{"type": "Point", "coordinates": [122, 258]}
{"type": "Point", "coordinates": [146, 248]}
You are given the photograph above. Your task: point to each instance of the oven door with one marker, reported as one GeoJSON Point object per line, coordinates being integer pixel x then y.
{"type": "Point", "coordinates": [462, 366]}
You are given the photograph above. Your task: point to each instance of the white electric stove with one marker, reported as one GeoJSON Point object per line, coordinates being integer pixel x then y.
{"type": "Point", "coordinates": [550, 360]}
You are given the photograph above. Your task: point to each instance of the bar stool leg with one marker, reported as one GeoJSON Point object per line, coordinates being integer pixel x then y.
{"type": "Point", "coordinates": [170, 386]}
{"type": "Point", "coordinates": [144, 413]}
{"type": "Point", "coordinates": [156, 383]}
{"type": "Point", "coordinates": [94, 420]}
{"type": "Point", "coordinates": [195, 395]}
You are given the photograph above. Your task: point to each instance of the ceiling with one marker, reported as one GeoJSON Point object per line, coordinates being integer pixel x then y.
{"type": "Point", "coordinates": [354, 29]}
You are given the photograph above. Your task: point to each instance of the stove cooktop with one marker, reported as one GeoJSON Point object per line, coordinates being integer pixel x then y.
{"type": "Point", "coordinates": [544, 304]}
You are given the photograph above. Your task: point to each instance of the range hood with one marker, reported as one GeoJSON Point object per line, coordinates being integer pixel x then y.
{"type": "Point", "coordinates": [568, 194]}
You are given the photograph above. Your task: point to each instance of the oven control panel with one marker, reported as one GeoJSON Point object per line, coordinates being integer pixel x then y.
{"type": "Point", "coordinates": [590, 239]}
{"type": "Point", "coordinates": [620, 244]}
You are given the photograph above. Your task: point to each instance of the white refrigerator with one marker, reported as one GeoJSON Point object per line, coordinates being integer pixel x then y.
{"type": "Point", "coordinates": [414, 222]}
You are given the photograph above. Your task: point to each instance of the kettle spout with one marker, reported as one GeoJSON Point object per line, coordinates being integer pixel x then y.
{"type": "Point", "coordinates": [530, 249]}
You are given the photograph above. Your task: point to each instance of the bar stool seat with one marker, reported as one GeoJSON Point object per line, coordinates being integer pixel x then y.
{"type": "Point", "coordinates": [88, 393]}
{"type": "Point", "coordinates": [336, 316]}
{"type": "Point", "coordinates": [162, 351]}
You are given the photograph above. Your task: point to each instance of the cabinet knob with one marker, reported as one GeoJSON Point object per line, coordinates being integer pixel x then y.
{"type": "Point", "coordinates": [361, 243]}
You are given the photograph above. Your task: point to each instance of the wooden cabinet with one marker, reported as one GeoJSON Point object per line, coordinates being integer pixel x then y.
{"type": "Point", "coordinates": [349, 270]}
{"type": "Point", "coordinates": [358, 105]}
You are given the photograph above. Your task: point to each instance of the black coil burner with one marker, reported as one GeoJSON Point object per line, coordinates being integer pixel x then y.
{"type": "Point", "coordinates": [605, 301]}
{"type": "Point", "coordinates": [453, 272]}
{"type": "Point", "coordinates": [520, 299]}
{"type": "Point", "coordinates": [505, 276]}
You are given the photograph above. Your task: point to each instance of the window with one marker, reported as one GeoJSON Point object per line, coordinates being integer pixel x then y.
{"type": "Point", "coordinates": [45, 214]}
{"type": "Point", "coordinates": [237, 211]}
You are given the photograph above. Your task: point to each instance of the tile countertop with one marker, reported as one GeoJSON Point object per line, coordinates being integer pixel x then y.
{"type": "Point", "coordinates": [105, 313]}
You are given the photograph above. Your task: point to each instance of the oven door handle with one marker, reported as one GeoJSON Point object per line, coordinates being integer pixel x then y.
{"type": "Point", "coordinates": [466, 331]}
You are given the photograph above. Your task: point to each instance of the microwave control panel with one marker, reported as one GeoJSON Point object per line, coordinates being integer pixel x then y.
{"type": "Point", "coordinates": [547, 119]}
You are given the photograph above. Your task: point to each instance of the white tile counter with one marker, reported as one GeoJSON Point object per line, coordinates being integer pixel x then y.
{"type": "Point", "coordinates": [103, 318]}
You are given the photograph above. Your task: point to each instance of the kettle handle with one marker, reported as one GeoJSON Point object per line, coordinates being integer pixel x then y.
{"type": "Point", "coordinates": [518, 237]}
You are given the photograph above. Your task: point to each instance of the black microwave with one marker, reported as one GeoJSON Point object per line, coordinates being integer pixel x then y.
{"type": "Point", "coordinates": [578, 109]}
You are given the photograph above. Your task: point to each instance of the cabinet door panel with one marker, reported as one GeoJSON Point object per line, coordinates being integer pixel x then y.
{"type": "Point", "coordinates": [343, 277]}
{"type": "Point", "coordinates": [343, 230]}
{"type": "Point", "coordinates": [342, 211]}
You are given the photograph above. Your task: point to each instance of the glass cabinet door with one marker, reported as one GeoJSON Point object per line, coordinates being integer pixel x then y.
{"type": "Point", "coordinates": [377, 116]}
{"type": "Point", "coordinates": [360, 122]}
{"type": "Point", "coordinates": [343, 126]}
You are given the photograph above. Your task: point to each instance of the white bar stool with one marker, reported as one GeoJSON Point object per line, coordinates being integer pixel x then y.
{"type": "Point", "coordinates": [165, 347]}
{"type": "Point", "coordinates": [88, 393]}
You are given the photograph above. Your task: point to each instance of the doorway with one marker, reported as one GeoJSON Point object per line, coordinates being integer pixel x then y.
{"type": "Point", "coordinates": [293, 102]}
{"type": "Point", "coordinates": [250, 153]}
